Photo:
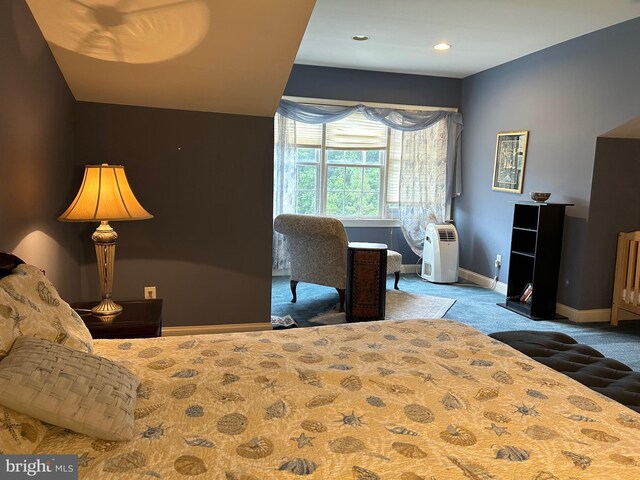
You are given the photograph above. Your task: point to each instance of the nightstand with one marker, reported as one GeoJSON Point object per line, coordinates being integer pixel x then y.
{"type": "Point", "coordinates": [139, 319]}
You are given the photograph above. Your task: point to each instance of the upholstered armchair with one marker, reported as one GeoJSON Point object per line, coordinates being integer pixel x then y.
{"type": "Point", "coordinates": [317, 251]}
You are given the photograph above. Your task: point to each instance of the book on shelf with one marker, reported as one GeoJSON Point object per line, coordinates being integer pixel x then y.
{"type": "Point", "coordinates": [526, 293]}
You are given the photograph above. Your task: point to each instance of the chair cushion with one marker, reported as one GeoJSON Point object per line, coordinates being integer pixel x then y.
{"type": "Point", "coordinates": [581, 362]}
{"type": "Point", "coordinates": [394, 261]}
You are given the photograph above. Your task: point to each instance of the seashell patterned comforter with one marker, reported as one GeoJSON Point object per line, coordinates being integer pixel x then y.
{"type": "Point", "coordinates": [408, 400]}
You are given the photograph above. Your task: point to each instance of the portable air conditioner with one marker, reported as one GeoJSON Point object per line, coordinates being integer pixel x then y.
{"type": "Point", "coordinates": [440, 254]}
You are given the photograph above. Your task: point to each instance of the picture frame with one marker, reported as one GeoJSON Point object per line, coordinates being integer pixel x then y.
{"type": "Point", "coordinates": [511, 155]}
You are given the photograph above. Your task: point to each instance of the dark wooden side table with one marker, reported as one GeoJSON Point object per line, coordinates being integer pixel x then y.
{"type": "Point", "coordinates": [138, 319]}
{"type": "Point", "coordinates": [366, 281]}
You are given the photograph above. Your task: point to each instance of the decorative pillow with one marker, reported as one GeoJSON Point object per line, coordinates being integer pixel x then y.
{"type": "Point", "coordinates": [31, 306]}
{"type": "Point", "coordinates": [71, 389]}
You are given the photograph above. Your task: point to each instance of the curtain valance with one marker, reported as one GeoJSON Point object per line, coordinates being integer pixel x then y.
{"type": "Point", "coordinates": [404, 120]}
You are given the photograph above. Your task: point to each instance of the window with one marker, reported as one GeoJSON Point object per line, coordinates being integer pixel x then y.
{"type": "Point", "coordinates": [356, 168]}
{"type": "Point", "coordinates": [341, 168]}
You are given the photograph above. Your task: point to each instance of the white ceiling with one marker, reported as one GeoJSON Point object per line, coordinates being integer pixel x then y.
{"type": "Point", "coordinates": [230, 56]}
{"type": "Point", "coordinates": [484, 33]}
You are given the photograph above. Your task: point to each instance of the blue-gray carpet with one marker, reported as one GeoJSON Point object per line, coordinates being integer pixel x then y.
{"type": "Point", "coordinates": [475, 307]}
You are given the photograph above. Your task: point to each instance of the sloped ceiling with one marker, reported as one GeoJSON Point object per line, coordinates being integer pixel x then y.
{"type": "Point", "coordinates": [630, 129]}
{"type": "Point", "coordinates": [228, 56]}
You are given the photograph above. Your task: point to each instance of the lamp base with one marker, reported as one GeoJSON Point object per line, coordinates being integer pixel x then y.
{"type": "Point", "coordinates": [104, 239]}
{"type": "Point", "coordinates": [106, 307]}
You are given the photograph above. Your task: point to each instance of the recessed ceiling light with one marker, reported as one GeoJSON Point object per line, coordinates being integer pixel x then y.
{"type": "Point", "coordinates": [442, 46]}
{"type": "Point", "coordinates": [360, 38]}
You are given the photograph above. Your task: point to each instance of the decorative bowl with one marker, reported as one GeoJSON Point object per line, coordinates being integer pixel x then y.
{"type": "Point", "coordinates": [540, 196]}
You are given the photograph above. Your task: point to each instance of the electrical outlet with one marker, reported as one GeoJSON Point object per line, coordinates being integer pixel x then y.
{"type": "Point", "coordinates": [149, 293]}
{"type": "Point", "coordinates": [498, 260]}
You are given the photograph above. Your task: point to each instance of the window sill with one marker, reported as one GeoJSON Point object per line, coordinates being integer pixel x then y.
{"type": "Point", "coordinates": [370, 222]}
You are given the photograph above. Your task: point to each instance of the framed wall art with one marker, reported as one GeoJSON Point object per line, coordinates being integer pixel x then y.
{"type": "Point", "coordinates": [508, 167]}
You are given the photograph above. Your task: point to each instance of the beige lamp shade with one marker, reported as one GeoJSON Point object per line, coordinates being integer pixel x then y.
{"type": "Point", "coordinates": [105, 195]}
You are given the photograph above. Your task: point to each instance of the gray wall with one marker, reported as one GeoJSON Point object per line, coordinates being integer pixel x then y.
{"type": "Point", "coordinates": [207, 178]}
{"type": "Point", "coordinates": [36, 140]}
{"type": "Point", "coordinates": [375, 87]}
{"type": "Point", "coordinates": [565, 96]}
{"type": "Point", "coordinates": [614, 207]}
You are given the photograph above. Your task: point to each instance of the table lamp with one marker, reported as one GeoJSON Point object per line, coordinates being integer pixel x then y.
{"type": "Point", "coordinates": [105, 195]}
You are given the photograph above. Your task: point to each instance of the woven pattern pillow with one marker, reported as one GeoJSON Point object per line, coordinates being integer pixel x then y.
{"type": "Point", "coordinates": [71, 389]}
{"type": "Point", "coordinates": [31, 306]}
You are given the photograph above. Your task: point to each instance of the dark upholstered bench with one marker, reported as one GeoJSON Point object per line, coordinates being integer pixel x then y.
{"type": "Point", "coordinates": [584, 364]}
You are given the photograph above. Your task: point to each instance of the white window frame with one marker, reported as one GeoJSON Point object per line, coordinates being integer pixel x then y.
{"type": "Point", "coordinates": [322, 169]}
{"type": "Point", "coordinates": [318, 167]}
{"type": "Point", "coordinates": [383, 178]}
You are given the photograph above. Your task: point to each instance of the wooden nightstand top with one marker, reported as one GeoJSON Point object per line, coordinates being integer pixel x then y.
{"type": "Point", "coordinates": [139, 319]}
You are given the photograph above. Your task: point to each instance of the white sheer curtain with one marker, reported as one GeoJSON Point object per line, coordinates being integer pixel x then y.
{"type": "Point", "coordinates": [422, 197]}
{"type": "Point", "coordinates": [284, 182]}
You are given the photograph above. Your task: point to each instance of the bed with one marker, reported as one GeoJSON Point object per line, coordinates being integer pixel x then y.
{"type": "Point", "coordinates": [626, 284]}
{"type": "Point", "coordinates": [413, 399]}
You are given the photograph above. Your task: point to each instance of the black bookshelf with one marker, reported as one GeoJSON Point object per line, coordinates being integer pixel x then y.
{"type": "Point", "coordinates": [536, 246]}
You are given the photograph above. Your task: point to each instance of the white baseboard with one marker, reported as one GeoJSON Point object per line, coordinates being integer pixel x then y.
{"type": "Point", "coordinates": [204, 329]}
{"type": "Point", "coordinates": [592, 316]}
{"type": "Point", "coordinates": [482, 280]}
{"type": "Point", "coordinates": [578, 316]}
{"type": "Point", "coordinates": [584, 316]}
{"type": "Point", "coordinates": [410, 268]}
{"type": "Point", "coordinates": [465, 275]}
